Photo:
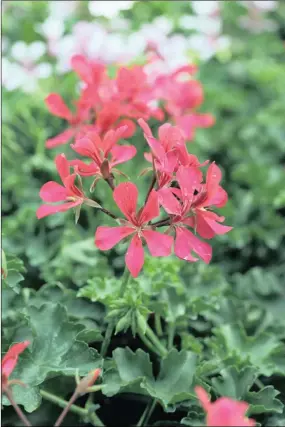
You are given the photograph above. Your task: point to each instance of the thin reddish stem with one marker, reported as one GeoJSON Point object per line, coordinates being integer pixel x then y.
{"type": "Point", "coordinates": [66, 409]}
{"type": "Point", "coordinates": [18, 410]}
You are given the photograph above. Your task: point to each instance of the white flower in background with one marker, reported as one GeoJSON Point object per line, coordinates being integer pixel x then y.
{"type": "Point", "coordinates": [52, 29]}
{"type": "Point", "coordinates": [109, 9]}
{"type": "Point", "coordinates": [62, 10]}
{"type": "Point", "coordinates": [207, 39]}
{"type": "Point", "coordinates": [255, 21]}
{"type": "Point", "coordinates": [206, 47]}
{"type": "Point", "coordinates": [263, 6]}
{"type": "Point", "coordinates": [207, 7]}
{"type": "Point", "coordinates": [25, 71]}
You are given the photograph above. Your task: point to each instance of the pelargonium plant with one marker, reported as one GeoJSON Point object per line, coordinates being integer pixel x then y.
{"type": "Point", "coordinates": [177, 215]}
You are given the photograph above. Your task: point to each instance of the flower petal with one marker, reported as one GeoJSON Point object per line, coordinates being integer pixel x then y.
{"type": "Point", "coordinates": [208, 228]}
{"type": "Point", "coordinates": [130, 128]}
{"type": "Point", "coordinates": [158, 244]}
{"type": "Point", "coordinates": [135, 256]}
{"type": "Point", "coordinates": [9, 361]}
{"type": "Point", "coordinates": [57, 106]}
{"type": "Point", "coordinates": [169, 201]}
{"type": "Point", "coordinates": [107, 237]}
{"type": "Point", "coordinates": [126, 196]}
{"type": "Point", "coordinates": [188, 179]}
{"type": "Point", "coordinates": [187, 242]}
{"type": "Point", "coordinates": [203, 397]}
{"type": "Point", "coordinates": [151, 208]}
{"type": "Point", "coordinates": [52, 192]}
{"type": "Point", "coordinates": [62, 166]}
{"type": "Point", "coordinates": [60, 139]}
{"type": "Point", "coordinates": [84, 169]}
{"type": "Point", "coordinates": [81, 66]}
{"type": "Point", "coordinates": [145, 127]}
{"type": "Point", "coordinates": [122, 153]}
{"type": "Point", "coordinates": [182, 247]}
{"type": "Point", "coordinates": [46, 210]}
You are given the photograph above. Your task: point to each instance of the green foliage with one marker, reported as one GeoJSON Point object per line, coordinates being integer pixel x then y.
{"type": "Point", "coordinates": [134, 372]}
{"type": "Point", "coordinates": [55, 350]}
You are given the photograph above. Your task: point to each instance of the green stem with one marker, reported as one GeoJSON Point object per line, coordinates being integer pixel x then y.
{"type": "Point", "coordinates": [73, 408]}
{"type": "Point", "coordinates": [160, 347]}
{"type": "Point", "coordinates": [147, 413]}
{"type": "Point", "coordinates": [147, 342]}
{"type": "Point", "coordinates": [171, 334]}
{"type": "Point", "coordinates": [259, 383]}
{"type": "Point", "coordinates": [111, 325]}
{"type": "Point", "coordinates": [158, 326]}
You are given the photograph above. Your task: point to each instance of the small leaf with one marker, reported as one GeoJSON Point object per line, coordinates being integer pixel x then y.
{"type": "Point", "coordinates": [92, 203]}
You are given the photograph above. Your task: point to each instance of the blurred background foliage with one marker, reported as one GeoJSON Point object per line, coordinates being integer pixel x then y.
{"type": "Point", "coordinates": [244, 284]}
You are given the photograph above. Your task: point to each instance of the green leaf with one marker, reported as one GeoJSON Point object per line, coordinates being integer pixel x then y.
{"type": "Point", "coordinates": [236, 384]}
{"type": "Point", "coordinates": [55, 351]}
{"type": "Point", "coordinates": [133, 372]}
{"type": "Point", "coordinates": [264, 401]}
{"type": "Point", "coordinates": [263, 351]}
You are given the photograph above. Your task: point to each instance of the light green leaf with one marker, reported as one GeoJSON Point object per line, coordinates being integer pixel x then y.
{"type": "Point", "coordinates": [55, 350]}
{"type": "Point", "coordinates": [133, 372]}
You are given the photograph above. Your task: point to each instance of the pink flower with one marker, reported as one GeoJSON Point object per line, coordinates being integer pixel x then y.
{"type": "Point", "coordinates": [105, 152]}
{"type": "Point", "coordinates": [125, 196]}
{"type": "Point", "coordinates": [168, 151]}
{"type": "Point", "coordinates": [10, 360]}
{"type": "Point", "coordinates": [189, 122]}
{"type": "Point", "coordinates": [181, 99]}
{"type": "Point", "coordinates": [210, 194]}
{"type": "Point", "coordinates": [224, 412]}
{"type": "Point", "coordinates": [90, 72]}
{"type": "Point", "coordinates": [183, 204]}
{"type": "Point", "coordinates": [77, 121]}
{"type": "Point", "coordinates": [52, 192]}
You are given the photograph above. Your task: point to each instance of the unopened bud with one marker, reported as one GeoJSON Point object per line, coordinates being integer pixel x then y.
{"type": "Point", "coordinates": [88, 381]}
{"type": "Point", "coordinates": [105, 170]}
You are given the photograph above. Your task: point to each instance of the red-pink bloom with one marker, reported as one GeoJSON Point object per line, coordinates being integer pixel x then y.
{"type": "Point", "coordinates": [105, 152]}
{"type": "Point", "coordinates": [181, 100]}
{"type": "Point", "coordinates": [109, 116]}
{"type": "Point", "coordinates": [224, 412]}
{"type": "Point", "coordinates": [210, 194]}
{"type": "Point", "coordinates": [167, 151]}
{"type": "Point", "coordinates": [189, 210]}
{"type": "Point", "coordinates": [136, 224]}
{"type": "Point", "coordinates": [91, 72]}
{"type": "Point", "coordinates": [52, 192]}
{"type": "Point", "coordinates": [77, 122]}
{"type": "Point", "coordinates": [10, 360]}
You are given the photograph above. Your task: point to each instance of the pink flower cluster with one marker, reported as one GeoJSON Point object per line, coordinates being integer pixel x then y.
{"type": "Point", "coordinates": [108, 111]}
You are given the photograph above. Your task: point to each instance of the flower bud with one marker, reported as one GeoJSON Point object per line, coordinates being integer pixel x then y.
{"type": "Point", "coordinates": [104, 168]}
{"type": "Point", "coordinates": [88, 381]}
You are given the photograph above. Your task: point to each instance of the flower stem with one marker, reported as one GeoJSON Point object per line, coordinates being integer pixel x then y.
{"type": "Point", "coordinates": [153, 181]}
{"type": "Point", "coordinates": [105, 211]}
{"type": "Point", "coordinates": [73, 408]}
{"type": "Point", "coordinates": [162, 223]}
{"type": "Point", "coordinates": [66, 409]}
{"type": "Point", "coordinates": [158, 327]}
{"type": "Point", "coordinates": [147, 342]}
{"type": "Point", "coordinates": [146, 414]}
{"type": "Point", "coordinates": [160, 347]}
{"type": "Point", "coordinates": [171, 334]}
{"type": "Point", "coordinates": [18, 410]}
{"type": "Point", "coordinates": [112, 322]}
